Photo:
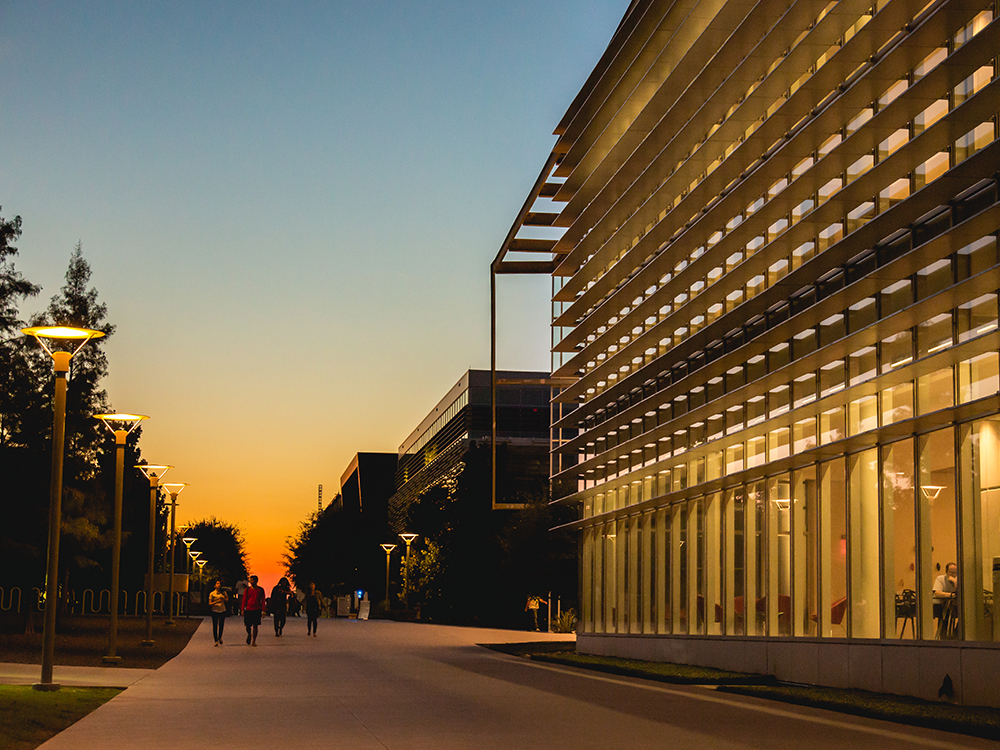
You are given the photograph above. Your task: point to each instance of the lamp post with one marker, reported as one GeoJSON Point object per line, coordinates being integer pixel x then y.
{"type": "Point", "coordinates": [120, 425]}
{"type": "Point", "coordinates": [188, 541]}
{"type": "Point", "coordinates": [174, 489]}
{"type": "Point", "coordinates": [408, 538]}
{"type": "Point", "coordinates": [388, 551]}
{"type": "Point", "coordinates": [77, 337]}
{"type": "Point", "coordinates": [154, 473]}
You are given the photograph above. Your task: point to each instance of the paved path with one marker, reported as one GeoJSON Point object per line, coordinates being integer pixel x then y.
{"type": "Point", "coordinates": [376, 685]}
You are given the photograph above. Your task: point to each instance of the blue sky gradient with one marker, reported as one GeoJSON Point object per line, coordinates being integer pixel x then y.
{"type": "Point", "coordinates": [290, 210]}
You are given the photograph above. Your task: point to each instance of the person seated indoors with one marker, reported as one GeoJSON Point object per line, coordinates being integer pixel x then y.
{"type": "Point", "coordinates": [945, 592]}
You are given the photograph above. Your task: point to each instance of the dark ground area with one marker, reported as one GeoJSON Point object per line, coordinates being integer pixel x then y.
{"type": "Point", "coordinates": [81, 640]}
{"type": "Point", "coordinates": [978, 721]}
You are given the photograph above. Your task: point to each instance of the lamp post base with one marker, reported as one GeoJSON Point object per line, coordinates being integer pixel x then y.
{"type": "Point", "coordinates": [169, 623]}
{"type": "Point", "coordinates": [47, 687]}
{"type": "Point", "coordinates": [111, 661]}
{"type": "Point", "coordinates": [147, 643]}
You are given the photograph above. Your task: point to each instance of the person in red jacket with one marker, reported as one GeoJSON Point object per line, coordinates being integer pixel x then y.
{"type": "Point", "coordinates": [252, 607]}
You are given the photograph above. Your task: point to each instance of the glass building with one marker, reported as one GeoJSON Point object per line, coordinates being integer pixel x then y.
{"type": "Point", "coordinates": [434, 453]}
{"type": "Point", "coordinates": [775, 308]}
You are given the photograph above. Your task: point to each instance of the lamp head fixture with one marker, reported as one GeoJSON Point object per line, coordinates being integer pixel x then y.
{"type": "Point", "coordinates": [408, 537]}
{"type": "Point", "coordinates": [121, 423]}
{"type": "Point", "coordinates": [189, 540]}
{"type": "Point", "coordinates": [153, 471]}
{"type": "Point", "coordinates": [174, 488]}
{"type": "Point", "coordinates": [388, 548]}
{"type": "Point", "coordinates": [200, 563]}
{"type": "Point", "coordinates": [62, 336]}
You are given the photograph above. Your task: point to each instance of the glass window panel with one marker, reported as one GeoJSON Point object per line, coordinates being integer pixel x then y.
{"type": "Point", "coordinates": [832, 615]}
{"type": "Point", "coordinates": [831, 377]}
{"type": "Point", "coordinates": [977, 317]}
{"type": "Point", "coordinates": [978, 377]}
{"type": "Point", "coordinates": [804, 435]}
{"type": "Point", "coordinates": [777, 444]}
{"type": "Point", "coordinates": [861, 314]}
{"type": "Point", "coordinates": [897, 403]}
{"type": "Point", "coordinates": [863, 539]}
{"type": "Point", "coordinates": [935, 391]}
{"type": "Point", "coordinates": [895, 297]}
{"type": "Point", "coordinates": [897, 350]}
{"type": "Point", "coordinates": [861, 365]}
{"type": "Point", "coordinates": [899, 537]}
{"type": "Point", "coordinates": [981, 491]}
{"type": "Point", "coordinates": [832, 425]}
{"type": "Point", "coordinates": [976, 257]}
{"type": "Point", "coordinates": [937, 513]}
{"type": "Point", "coordinates": [777, 596]}
{"type": "Point", "coordinates": [863, 414]}
{"type": "Point", "coordinates": [934, 335]}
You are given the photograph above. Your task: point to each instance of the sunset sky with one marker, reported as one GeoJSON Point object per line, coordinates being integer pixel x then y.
{"type": "Point", "coordinates": [290, 210]}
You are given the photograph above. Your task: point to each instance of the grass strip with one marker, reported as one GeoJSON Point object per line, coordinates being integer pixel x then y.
{"type": "Point", "coordinates": [976, 721]}
{"type": "Point", "coordinates": [29, 717]}
{"type": "Point", "coordinates": [678, 674]}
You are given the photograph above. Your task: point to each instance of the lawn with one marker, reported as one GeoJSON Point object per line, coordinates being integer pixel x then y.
{"type": "Point", "coordinates": [29, 717]}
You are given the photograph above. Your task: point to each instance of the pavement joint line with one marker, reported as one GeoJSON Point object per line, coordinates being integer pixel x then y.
{"type": "Point", "coordinates": [638, 682]}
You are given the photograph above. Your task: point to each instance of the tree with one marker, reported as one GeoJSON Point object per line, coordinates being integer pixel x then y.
{"type": "Point", "coordinates": [222, 545]}
{"type": "Point", "coordinates": [324, 551]}
{"type": "Point", "coordinates": [18, 385]}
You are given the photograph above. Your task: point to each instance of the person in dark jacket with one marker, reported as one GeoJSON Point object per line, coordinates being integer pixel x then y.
{"type": "Point", "coordinates": [314, 605]}
{"type": "Point", "coordinates": [278, 605]}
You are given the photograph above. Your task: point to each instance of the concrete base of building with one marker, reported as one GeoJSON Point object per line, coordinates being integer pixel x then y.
{"type": "Point", "coordinates": [923, 669]}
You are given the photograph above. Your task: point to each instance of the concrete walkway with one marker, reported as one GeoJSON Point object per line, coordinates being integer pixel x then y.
{"type": "Point", "coordinates": [376, 685]}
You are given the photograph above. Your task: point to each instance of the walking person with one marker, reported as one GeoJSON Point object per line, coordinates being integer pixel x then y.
{"type": "Point", "coordinates": [314, 605]}
{"type": "Point", "coordinates": [278, 605]}
{"type": "Point", "coordinates": [218, 603]}
{"type": "Point", "coordinates": [531, 607]}
{"type": "Point", "coordinates": [252, 607]}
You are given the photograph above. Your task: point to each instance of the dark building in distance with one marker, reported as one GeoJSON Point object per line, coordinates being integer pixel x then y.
{"type": "Point", "coordinates": [434, 453]}
{"type": "Point", "coordinates": [775, 302]}
{"type": "Point", "coordinates": [365, 488]}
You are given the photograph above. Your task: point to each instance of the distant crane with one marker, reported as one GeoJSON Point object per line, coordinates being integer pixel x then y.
{"type": "Point", "coordinates": [319, 500]}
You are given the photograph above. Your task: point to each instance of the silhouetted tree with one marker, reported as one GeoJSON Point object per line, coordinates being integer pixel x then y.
{"type": "Point", "coordinates": [222, 545]}
{"type": "Point", "coordinates": [324, 551]}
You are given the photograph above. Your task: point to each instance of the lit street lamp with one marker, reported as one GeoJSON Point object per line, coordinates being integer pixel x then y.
{"type": "Point", "coordinates": [188, 541]}
{"type": "Point", "coordinates": [77, 337]}
{"type": "Point", "coordinates": [154, 473]}
{"type": "Point", "coordinates": [201, 568]}
{"type": "Point", "coordinates": [408, 538]}
{"type": "Point", "coordinates": [120, 425]}
{"type": "Point", "coordinates": [174, 489]}
{"type": "Point", "coordinates": [388, 551]}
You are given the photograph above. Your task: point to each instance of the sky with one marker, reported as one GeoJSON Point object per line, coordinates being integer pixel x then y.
{"type": "Point", "coordinates": [289, 210]}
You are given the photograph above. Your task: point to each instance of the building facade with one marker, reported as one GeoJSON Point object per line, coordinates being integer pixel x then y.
{"type": "Point", "coordinates": [775, 299]}
{"type": "Point", "coordinates": [433, 455]}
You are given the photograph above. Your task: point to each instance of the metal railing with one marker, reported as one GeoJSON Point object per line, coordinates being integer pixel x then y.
{"type": "Point", "coordinates": [92, 602]}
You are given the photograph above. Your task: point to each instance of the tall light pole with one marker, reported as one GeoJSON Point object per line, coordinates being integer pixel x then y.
{"type": "Point", "coordinates": [174, 489]}
{"type": "Point", "coordinates": [188, 541]}
{"type": "Point", "coordinates": [388, 551]}
{"type": "Point", "coordinates": [154, 473]}
{"type": "Point", "coordinates": [120, 425]}
{"type": "Point", "coordinates": [408, 538]}
{"type": "Point", "coordinates": [74, 339]}
{"type": "Point", "coordinates": [201, 568]}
